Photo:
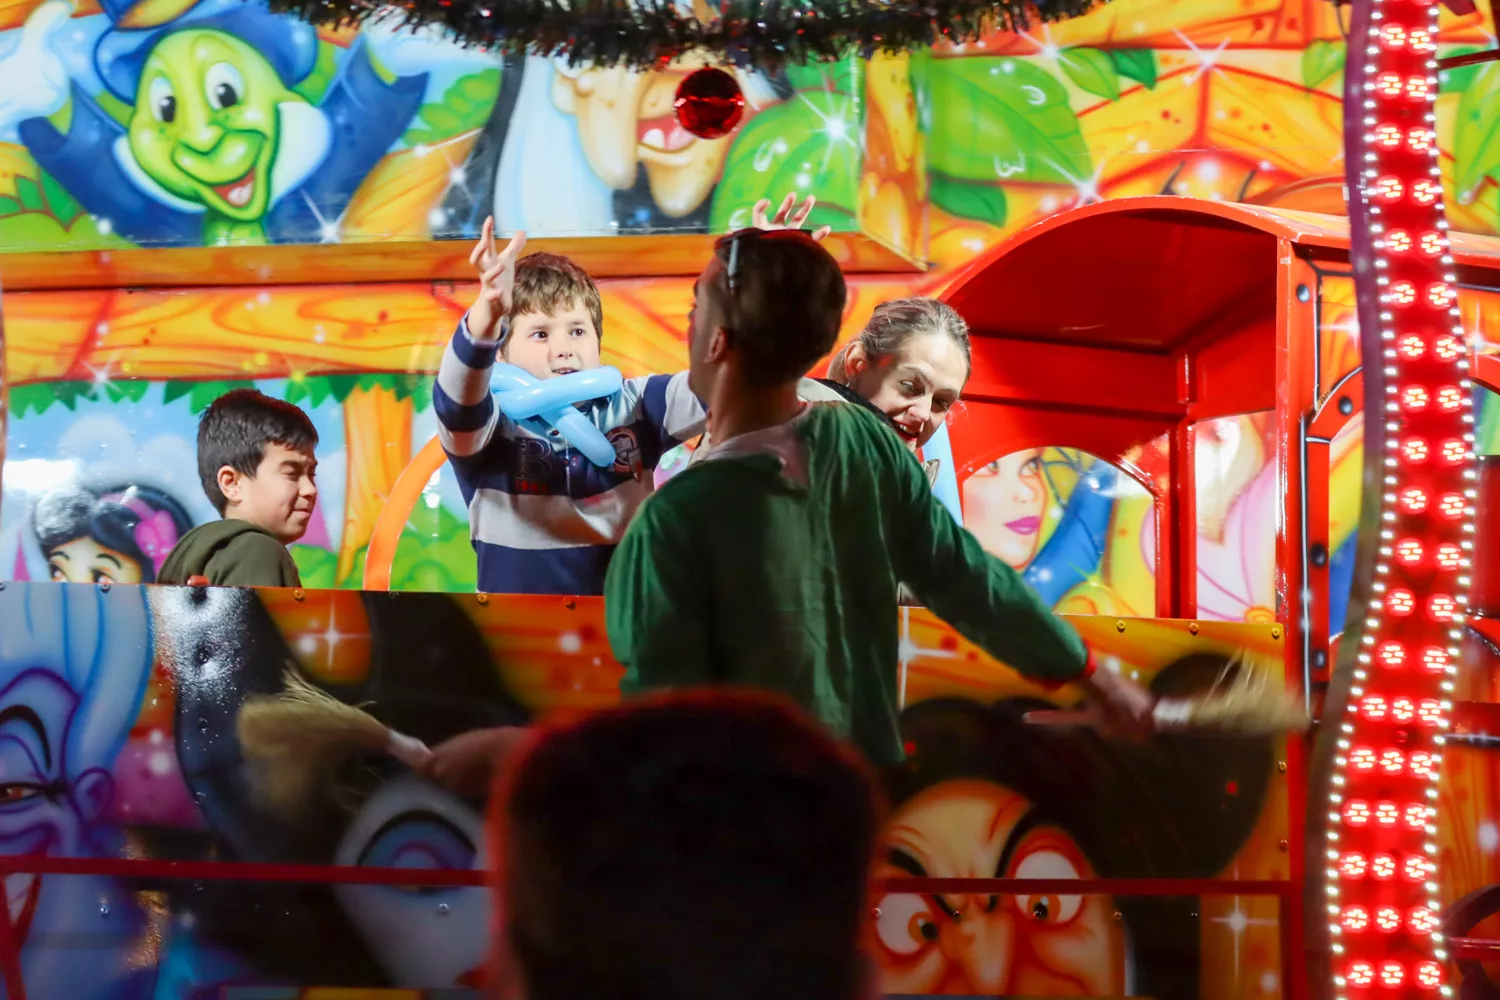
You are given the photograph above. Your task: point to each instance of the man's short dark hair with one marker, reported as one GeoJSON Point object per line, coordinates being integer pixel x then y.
{"type": "Point", "coordinates": [235, 430]}
{"type": "Point", "coordinates": [708, 846]}
{"type": "Point", "coordinates": [782, 296]}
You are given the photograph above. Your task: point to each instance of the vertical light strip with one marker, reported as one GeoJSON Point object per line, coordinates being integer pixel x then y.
{"type": "Point", "coordinates": [1382, 850]}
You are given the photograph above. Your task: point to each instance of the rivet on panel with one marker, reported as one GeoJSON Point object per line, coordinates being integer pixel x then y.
{"type": "Point", "coordinates": [482, 598]}
{"type": "Point", "coordinates": [1281, 846]}
{"type": "Point", "coordinates": [297, 595]}
{"type": "Point", "coordinates": [1275, 631]}
{"type": "Point", "coordinates": [104, 586]}
{"type": "Point", "coordinates": [569, 603]}
{"type": "Point", "coordinates": [1281, 766]}
{"type": "Point", "coordinates": [1119, 626]}
{"type": "Point", "coordinates": [1193, 627]}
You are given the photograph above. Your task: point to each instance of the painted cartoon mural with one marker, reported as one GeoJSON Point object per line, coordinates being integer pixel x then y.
{"type": "Point", "coordinates": [122, 742]}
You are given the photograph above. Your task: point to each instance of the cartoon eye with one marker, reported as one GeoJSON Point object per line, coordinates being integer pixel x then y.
{"type": "Point", "coordinates": [161, 100]}
{"type": "Point", "coordinates": [17, 791]}
{"type": "Point", "coordinates": [905, 924]}
{"type": "Point", "coordinates": [1048, 908]}
{"type": "Point", "coordinates": [223, 86]}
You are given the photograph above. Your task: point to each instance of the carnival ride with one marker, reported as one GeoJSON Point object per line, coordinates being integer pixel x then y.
{"type": "Point", "coordinates": [1368, 867]}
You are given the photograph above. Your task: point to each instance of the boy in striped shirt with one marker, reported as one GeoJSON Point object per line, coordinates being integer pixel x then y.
{"type": "Point", "coordinates": [543, 518]}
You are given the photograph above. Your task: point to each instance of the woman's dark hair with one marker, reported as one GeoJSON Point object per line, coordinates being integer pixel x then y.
{"type": "Point", "coordinates": [113, 518]}
{"type": "Point", "coordinates": [1176, 807]}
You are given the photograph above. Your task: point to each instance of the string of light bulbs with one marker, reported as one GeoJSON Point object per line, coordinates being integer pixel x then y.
{"type": "Point", "coordinates": [1382, 885]}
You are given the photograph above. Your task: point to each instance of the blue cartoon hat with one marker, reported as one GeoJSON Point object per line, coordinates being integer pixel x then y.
{"type": "Point", "coordinates": [288, 44]}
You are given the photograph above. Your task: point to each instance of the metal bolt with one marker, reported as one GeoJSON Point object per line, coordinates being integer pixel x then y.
{"type": "Point", "coordinates": [1119, 626]}
{"type": "Point", "coordinates": [1281, 766]}
{"type": "Point", "coordinates": [443, 907]}
{"type": "Point", "coordinates": [104, 586]}
{"type": "Point", "coordinates": [1303, 293]}
{"type": "Point", "coordinates": [1193, 627]}
{"type": "Point", "coordinates": [569, 603]}
{"type": "Point", "coordinates": [482, 598]}
{"type": "Point", "coordinates": [1281, 845]}
{"type": "Point", "coordinates": [297, 595]}
{"type": "Point", "coordinates": [1275, 631]}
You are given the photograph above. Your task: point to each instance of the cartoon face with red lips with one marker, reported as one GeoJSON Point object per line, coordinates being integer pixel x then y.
{"type": "Point", "coordinates": [1037, 945]}
{"type": "Point", "coordinates": [74, 662]}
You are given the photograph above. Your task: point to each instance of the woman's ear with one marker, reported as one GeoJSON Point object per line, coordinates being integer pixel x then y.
{"type": "Point", "coordinates": [856, 360]}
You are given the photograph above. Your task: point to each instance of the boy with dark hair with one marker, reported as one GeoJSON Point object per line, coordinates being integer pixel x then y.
{"type": "Point", "coordinates": [774, 561]}
{"type": "Point", "coordinates": [256, 463]}
{"type": "Point", "coordinates": [542, 517]}
{"type": "Point", "coordinates": [692, 847]}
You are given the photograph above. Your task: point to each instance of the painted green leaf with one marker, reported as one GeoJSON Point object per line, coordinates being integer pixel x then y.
{"type": "Point", "coordinates": [807, 145]}
{"type": "Point", "coordinates": [1092, 70]}
{"type": "Point", "coordinates": [998, 118]}
{"type": "Point", "coordinates": [29, 195]}
{"type": "Point", "coordinates": [340, 386]}
{"type": "Point", "coordinates": [35, 397]}
{"type": "Point", "coordinates": [175, 390]}
{"type": "Point", "coordinates": [1457, 80]}
{"type": "Point", "coordinates": [325, 68]}
{"type": "Point", "coordinates": [1320, 61]}
{"type": "Point", "coordinates": [204, 393]}
{"type": "Point", "coordinates": [63, 206]}
{"type": "Point", "coordinates": [132, 390]}
{"type": "Point", "coordinates": [969, 199]}
{"type": "Point", "coordinates": [465, 105]}
{"type": "Point", "coordinates": [1135, 64]}
{"type": "Point", "coordinates": [9, 206]}
{"type": "Point", "coordinates": [843, 76]}
{"type": "Point", "coordinates": [1476, 140]}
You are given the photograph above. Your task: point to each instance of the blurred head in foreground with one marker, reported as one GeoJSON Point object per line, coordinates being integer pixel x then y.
{"type": "Point", "coordinates": [687, 847]}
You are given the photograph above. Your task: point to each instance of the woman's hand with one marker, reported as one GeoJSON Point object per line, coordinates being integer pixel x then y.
{"type": "Point", "coordinates": [788, 216]}
{"type": "Point", "coordinates": [467, 764]}
{"type": "Point", "coordinates": [497, 281]}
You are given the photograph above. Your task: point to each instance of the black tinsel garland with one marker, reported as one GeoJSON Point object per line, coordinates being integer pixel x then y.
{"type": "Point", "coordinates": [643, 33]}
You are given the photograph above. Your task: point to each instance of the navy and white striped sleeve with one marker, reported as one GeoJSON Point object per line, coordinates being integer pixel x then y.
{"type": "Point", "coordinates": [466, 412]}
{"type": "Point", "coordinates": [670, 407]}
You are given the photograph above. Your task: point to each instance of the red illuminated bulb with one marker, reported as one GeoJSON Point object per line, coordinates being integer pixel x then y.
{"type": "Point", "coordinates": [1392, 974]}
{"type": "Point", "coordinates": [1397, 241]}
{"type": "Point", "coordinates": [1413, 499]}
{"type": "Point", "coordinates": [1415, 816]}
{"type": "Point", "coordinates": [1414, 398]}
{"type": "Point", "coordinates": [1414, 450]}
{"type": "Point", "coordinates": [1435, 659]}
{"type": "Point", "coordinates": [1389, 84]}
{"type": "Point", "coordinates": [1388, 136]}
{"type": "Point", "coordinates": [1454, 451]}
{"type": "Point", "coordinates": [1359, 974]}
{"type": "Point", "coordinates": [1391, 653]}
{"type": "Point", "coordinates": [1388, 919]}
{"type": "Point", "coordinates": [1409, 550]}
{"type": "Point", "coordinates": [1421, 920]}
{"type": "Point", "coordinates": [1383, 867]}
{"type": "Point", "coordinates": [1416, 868]}
{"type": "Point", "coordinates": [1441, 607]}
{"type": "Point", "coordinates": [1353, 865]}
{"type": "Point", "coordinates": [1421, 41]}
{"type": "Point", "coordinates": [1420, 140]}
{"type": "Point", "coordinates": [1450, 398]}
{"type": "Point", "coordinates": [1448, 347]}
{"type": "Point", "coordinates": [1431, 243]}
{"type": "Point", "coordinates": [1452, 506]}
{"type": "Point", "coordinates": [1401, 293]}
{"type": "Point", "coordinates": [1441, 295]}
{"type": "Point", "coordinates": [1430, 711]}
{"type": "Point", "coordinates": [1393, 36]}
{"type": "Point", "coordinates": [1428, 975]}
{"type": "Point", "coordinates": [1418, 88]}
{"type": "Point", "coordinates": [1426, 192]}
{"type": "Point", "coordinates": [1362, 759]}
{"type": "Point", "coordinates": [1387, 813]}
{"type": "Point", "coordinates": [1392, 761]}
{"type": "Point", "coordinates": [1354, 919]}
{"type": "Point", "coordinates": [1411, 347]}
{"type": "Point", "coordinates": [1372, 706]}
{"type": "Point", "coordinates": [1421, 763]}
{"type": "Point", "coordinates": [1357, 812]}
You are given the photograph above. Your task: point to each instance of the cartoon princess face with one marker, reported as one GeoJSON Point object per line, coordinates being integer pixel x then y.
{"type": "Point", "coordinates": [1033, 945]}
{"type": "Point", "coordinates": [1005, 503]}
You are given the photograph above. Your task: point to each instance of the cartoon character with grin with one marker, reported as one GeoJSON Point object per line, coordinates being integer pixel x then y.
{"type": "Point", "coordinates": [219, 146]}
{"type": "Point", "coordinates": [74, 662]}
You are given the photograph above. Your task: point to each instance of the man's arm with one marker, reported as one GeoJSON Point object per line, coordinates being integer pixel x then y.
{"type": "Point", "coordinates": [253, 560]}
{"type": "Point", "coordinates": [656, 606]}
{"type": "Point", "coordinates": [976, 593]}
{"type": "Point", "coordinates": [673, 411]}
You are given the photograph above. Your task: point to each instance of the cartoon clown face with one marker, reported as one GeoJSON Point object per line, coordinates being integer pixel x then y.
{"type": "Point", "coordinates": [206, 125]}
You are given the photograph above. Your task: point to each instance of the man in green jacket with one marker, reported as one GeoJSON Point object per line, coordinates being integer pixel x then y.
{"type": "Point", "coordinates": [256, 463]}
{"type": "Point", "coordinates": [774, 561]}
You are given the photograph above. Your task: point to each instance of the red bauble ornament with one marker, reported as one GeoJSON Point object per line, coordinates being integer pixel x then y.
{"type": "Point", "coordinates": [709, 103]}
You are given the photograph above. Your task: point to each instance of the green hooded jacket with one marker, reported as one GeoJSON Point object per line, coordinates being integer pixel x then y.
{"type": "Point", "coordinates": [230, 553]}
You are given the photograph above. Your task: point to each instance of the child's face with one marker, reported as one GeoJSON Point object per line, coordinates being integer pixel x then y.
{"type": "Point", "coordinates": [279, 498]}
{"type": "Point", "coordinates": [552, 344]}
{"type": "Point", "coordinates": [84, 560]}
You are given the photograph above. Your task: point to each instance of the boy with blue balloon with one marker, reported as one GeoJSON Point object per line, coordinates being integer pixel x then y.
{"type": "Point", "coordinates": [554, 462]}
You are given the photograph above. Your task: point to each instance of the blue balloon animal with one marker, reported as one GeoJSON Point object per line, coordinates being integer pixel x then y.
{"type": "Point", "coordinates": [548, 405]}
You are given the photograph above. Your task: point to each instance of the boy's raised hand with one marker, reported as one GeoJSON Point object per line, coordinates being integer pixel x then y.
{"type": "Point", "coordinates": [789, 216]}
{"type": "Point", "coordinates": [497, 281]}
